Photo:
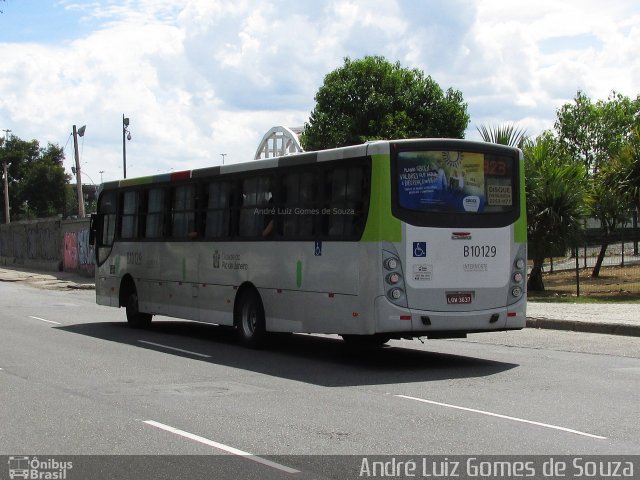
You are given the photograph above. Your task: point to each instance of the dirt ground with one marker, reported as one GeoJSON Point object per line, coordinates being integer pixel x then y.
{"type": "Point", "coordinates": [619, 282]}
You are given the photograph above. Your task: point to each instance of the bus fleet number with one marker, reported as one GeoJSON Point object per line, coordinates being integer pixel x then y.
{"type": "Point", "coordinates": [480, 251]}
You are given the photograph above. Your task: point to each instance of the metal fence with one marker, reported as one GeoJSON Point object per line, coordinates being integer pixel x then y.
{"type": "Point", "coordinates": [619, 276]}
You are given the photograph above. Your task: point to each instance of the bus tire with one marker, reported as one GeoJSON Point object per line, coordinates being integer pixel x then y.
{"type": "Point", "coordinates": [135, 317]}
{"type": "Point", "coordinates": [366, 341]}
{"type": "Point", "coordinates": [250, 319]}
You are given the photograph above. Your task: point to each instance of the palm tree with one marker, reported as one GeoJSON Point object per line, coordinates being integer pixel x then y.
{"type": "Point", "coordinates": [507, 134]}
{"type": "Point", "coordinates": [557, 193]}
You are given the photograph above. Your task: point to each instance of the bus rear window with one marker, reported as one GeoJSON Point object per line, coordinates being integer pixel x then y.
{"type": "Point", "coordinates": [455, 182]}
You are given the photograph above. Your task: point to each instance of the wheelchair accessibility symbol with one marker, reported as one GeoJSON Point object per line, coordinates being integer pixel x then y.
{"type": "Point", "coordinates": [419, 249]}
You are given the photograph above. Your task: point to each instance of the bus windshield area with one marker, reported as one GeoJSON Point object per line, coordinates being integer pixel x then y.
{"type": "Point", "coordinates": [455, 182]}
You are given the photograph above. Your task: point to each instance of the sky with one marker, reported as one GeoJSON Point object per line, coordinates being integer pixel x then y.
{"type": "Point", "coordinates": [202, 78]}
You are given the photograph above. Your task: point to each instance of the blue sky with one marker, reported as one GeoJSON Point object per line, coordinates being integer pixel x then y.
{"type": "Point", "coordinates": [198, 78]}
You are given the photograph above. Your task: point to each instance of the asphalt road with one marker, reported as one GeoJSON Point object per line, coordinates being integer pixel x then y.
{"type": "Point", "coordinates": [75, 380]}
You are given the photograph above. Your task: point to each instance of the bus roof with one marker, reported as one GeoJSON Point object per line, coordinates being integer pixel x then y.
{"type": "Point", "coordinates": [305, 158]}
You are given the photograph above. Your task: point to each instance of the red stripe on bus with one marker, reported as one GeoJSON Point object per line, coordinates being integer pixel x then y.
{"type": "Point", "coordinates": [184, 175]}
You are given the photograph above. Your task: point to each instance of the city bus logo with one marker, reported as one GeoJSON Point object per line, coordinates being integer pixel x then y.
{"type": "Point", "coordinates": [461, 236]}
{"type": "Point", "coordinates": [18, 467]}
{"type": "Point", "coordinates": [419, 249]}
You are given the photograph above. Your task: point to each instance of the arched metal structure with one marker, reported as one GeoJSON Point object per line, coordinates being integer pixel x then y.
{"type": "Point", "coordinates": [279, 141]}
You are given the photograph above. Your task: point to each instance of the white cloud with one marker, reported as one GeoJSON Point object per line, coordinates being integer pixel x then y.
{"type": "Point", "coordinates": [204, 77]}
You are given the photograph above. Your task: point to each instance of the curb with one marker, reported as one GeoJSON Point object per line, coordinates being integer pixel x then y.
{"type": "Point", "coordinates": [585, 327]}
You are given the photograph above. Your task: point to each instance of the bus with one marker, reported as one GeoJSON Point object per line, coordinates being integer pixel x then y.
{"type": "Point", "coordinates": [385, 240]}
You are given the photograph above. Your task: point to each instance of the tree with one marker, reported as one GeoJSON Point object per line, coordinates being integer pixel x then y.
{"type": "Point", "coordinates": [372, 98]}
{"type": "Point", "coordinates": [36, 178]}
{"type": "Point", "coordinates": [626, 164]}
{"type": "Point", "coordinates": [594, 132]}
{"type": "Point", "coordinates": [507, 134]}
{"type": "Point", "coordinates": [610, 205]}
{"type": "Point", "coordinates": [556, 201]}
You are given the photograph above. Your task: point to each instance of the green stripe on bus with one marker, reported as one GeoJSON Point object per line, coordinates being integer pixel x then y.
{"type": "Point", "coordinates": [136, 181]}
{"type": "Point", "coordinates": [299, 274]}
{"type": "Point", "coordinates": [520, 227]}
{"type": "Point", "coordinates": [381, 224]}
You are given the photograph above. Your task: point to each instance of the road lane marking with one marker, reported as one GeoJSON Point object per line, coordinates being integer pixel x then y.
{"type": "Point", "coordinates": [45, 320]}
{"type": "Point", "coordinates": [174, 348]}
{"type": "Point", "coordinates": [222, 446]}
{"type": "Point", "coordinates": [506, 417]}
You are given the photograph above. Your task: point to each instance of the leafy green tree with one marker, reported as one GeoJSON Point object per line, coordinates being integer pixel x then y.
{"type": "Point", "coordinates": [622, 178]}
{"type": "Point", "coordinates": [372, 98]}
{"type": "Point", "coordinates": [594, 132]}
{"type": "Point", "coordinates": [626, 165]}
{"type": "Point", "coordinates": [610, 204]}
{"type": "Point", "coordinates": [36, 178]}
{"type": "Point", "coordinates": [43, 184]}
{"type": "Point", "coordinates": [507, 134]}
{"type": "Point", "coordinates": [557, 193]}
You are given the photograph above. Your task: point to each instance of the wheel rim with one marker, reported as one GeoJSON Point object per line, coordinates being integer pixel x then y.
{"type": "Point", "coordinates": [249, 320]}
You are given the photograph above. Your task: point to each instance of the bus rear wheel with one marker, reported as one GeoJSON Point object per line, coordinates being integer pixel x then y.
{"type": "Point", "coordinates": [135, 317]}
{"type": "Point", "coordinates": [250, 320]}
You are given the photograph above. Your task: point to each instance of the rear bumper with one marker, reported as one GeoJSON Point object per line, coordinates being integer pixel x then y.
{"type": "Point", "coordinates": [393, 319]}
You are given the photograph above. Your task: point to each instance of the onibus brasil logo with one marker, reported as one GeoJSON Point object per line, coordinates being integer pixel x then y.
{"type": "Point", "coordinates": [33, 468]}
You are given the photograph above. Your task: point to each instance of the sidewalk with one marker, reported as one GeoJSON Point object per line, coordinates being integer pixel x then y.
{"type": "Point", "coordinates": [609, 318]}
{"type": "Point", "coordinates": [47, 280]}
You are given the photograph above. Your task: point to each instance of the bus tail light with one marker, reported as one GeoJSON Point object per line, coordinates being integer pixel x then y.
{"type": "Point", "coordinates": [395, 294]}
{"type": "Point", "coordinates": [518, 274]}
{"type": "Point", "coordinates": [393, 279]}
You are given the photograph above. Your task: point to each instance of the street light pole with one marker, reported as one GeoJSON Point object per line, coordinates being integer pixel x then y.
{"type": "Point", "coordinates": [126, 135]}
{"type": "Point", "coordinates": [223, 155]}
{"type": "Point", "coordinates": [5, 173]}
{"type": "Point", "coordinates": [78, 175]}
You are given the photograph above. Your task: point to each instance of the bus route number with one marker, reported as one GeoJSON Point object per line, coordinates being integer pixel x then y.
{"type": "Point", "coordinates": [479, 251]}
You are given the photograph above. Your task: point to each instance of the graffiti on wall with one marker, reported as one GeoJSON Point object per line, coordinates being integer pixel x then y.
{"type": "Point", "coordinates": [78, 254]}
{"type": "Point", "coordinates": [56, 243]}
{"type": "Point", "coordinates": [86, 252]}
{"type": "Point", "coordinates": [70, 251]}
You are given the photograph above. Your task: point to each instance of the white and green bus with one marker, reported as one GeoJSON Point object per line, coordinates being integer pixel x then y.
{"type": "Point", "coordinates": [390, 239]}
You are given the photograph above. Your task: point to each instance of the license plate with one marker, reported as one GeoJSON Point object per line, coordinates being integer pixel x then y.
{"type": "Point", "coordinates": [459, 298]}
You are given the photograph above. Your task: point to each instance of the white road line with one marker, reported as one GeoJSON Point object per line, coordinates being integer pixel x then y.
{"type": "Point", "coordinates": [221, 446]}
{"type": "Point", "coordinates": [44, 320]}
{"type": "Point", "coordinates": [176, 349]}
{"type": "Point", "coordinates": [506, 417]}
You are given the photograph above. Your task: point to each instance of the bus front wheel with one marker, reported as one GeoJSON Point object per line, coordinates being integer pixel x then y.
{"type": "Point", "coordinates": [250, 321]}
{"type": "Point", "coordinates": [135, 317]}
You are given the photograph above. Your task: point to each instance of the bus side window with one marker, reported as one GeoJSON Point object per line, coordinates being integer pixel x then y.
{"type": "Point", "coordinates": [183, 218]}
{"type": "Point", "coordinates": [299, 202]}
{"type": "Point", "coordinates": [217, 221]}
{"type": "Point", "coordinates": [256, 202]}
{"type": "Point", "coordinates": [344, 199]}
{"type": "Point", "coordinates": [155, 213]}
{"type": "Point", "coordinates": [129, 217]}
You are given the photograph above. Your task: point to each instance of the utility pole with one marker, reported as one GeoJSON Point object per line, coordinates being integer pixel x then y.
{"type": "Point", "coordinates": [7, 218]}
{"type": "Point", "coordinates": [78, 176]}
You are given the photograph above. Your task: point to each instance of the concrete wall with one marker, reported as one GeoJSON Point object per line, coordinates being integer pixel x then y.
{"type": "Point", "coordinates": [49, 244]}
